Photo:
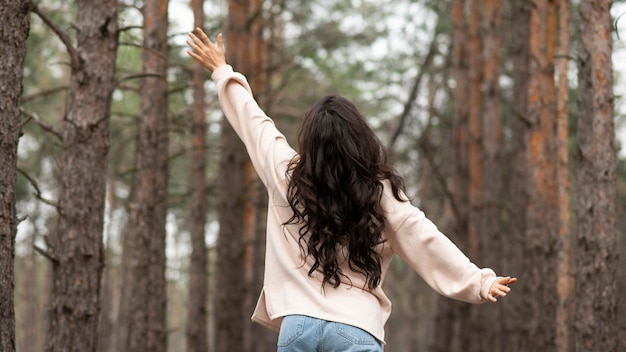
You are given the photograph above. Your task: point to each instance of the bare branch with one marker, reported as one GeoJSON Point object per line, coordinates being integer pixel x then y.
{"type": "Point", "coordinates": [43, 124]}
{"type": "Point", "coordinates": [128, 28]}
{"type": "Point", "coordinates": [37, 194]}
{"type": "Point", "coordinates": [408, 105]}
{"type": "Point", "coordinates": [22, 218]}
{"type": "Point", "coordinates": [43, 93]}
{"type": "Point", "coordinates": [45, 253]}
{"type": "Point", "coordinates": [137, 75]}
{"type": "Point", "coordinates": [60, 33]}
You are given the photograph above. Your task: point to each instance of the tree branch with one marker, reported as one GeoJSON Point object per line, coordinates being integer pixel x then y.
{"type": "Point", "coordinates": [60, 33]}
{"type": "Point", "coordinates": [137, 75]}
{"type": "Point", "coordinates": [37, 194]}
{"type": "Point", "coordinates": [45, 254]}
{"type": "Point", "coordinates": [408, 105]}
{"type": "Point", "coordinates": [43, 93]}
{"type": "Point", "coordinates": [43, 124]}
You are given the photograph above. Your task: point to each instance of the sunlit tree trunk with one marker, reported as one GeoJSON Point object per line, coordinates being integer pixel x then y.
{"type": "Point", "coordinates": [596, 259]}
{"type": "Point", "coordinates": [198, 283]}
{"type": "Point", "coordinates": [541, 242]}
{"type": "Point", "coordinates": [76, 246]}
{"type": "Point", "coordinates": [14, 27]}
{"type": "Point", "coordinates": [565, 278]}
{"type": "Point", "coordinates": [231, 317]}
{"type": "Point", "coordinates": [147, 330]}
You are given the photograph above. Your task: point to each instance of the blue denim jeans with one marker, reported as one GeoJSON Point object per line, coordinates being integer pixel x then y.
{"type": "Point", "coordinates": [300, 333]}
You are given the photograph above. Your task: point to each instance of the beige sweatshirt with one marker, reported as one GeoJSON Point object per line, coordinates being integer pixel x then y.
{"type": "Point", "coordinates": [287, 287]}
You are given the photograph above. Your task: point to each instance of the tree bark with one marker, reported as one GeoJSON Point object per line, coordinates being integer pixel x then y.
{"type": "Point", "coordinates": [147, 329]}
{"type": "Point", "coordinates": [517, 30]}
{"type": "Point", "coordinates": [444, 335]}
{"type": "Point", "coordinates": [14, 28]}
{"type": "Point", "coordinates": [565, 278]}
{"type": "Point", "coordinates": [76, 246]}
{"type": "Point", "coordinates": [490, 236]}
{"type": "Point", "coordinates": [596, 259]}
{"type": "Point", "coordinates": [230, 292]}
{"type": "Point", "coordinates": [541, 242]}
{"type": "Point", "coordinates": [198, 283]}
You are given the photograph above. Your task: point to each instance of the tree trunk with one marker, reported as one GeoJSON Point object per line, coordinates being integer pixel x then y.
{"type": "Point", "coordinates": [32, 312]}
{"type": "Point", "coordinates": [490, 233]}
{"type": "Point", "coordinates": [474, 73]}
{"type": "Point", "coordinates": [541, 242]}
{"type": "Point", "coordinates": [14, 27]}
{"type": "Point", "coordinates": [596, 259]}
{"type": "Point", "coordinates": [230, 280]}
{"type": "Point", "coordinates": [198, 284]}
{"type": "Point", "coordinates": [469, 338]}
{"type": "Point", "coordinates": [256, 195]}
{"type": "Point", "coordinates": [565, 279]}
{"type": "Point", "coordinates": [517, 23]}
{"type": "Point", "coordinates": [443, 334]}
{"type": "Point", "coordinates": [148, 327]}
{"type": "Point", "coordinates": [76, 247]}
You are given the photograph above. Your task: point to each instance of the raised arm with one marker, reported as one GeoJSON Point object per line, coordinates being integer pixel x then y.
{"type": "Point", "coordinates": [267, 147]}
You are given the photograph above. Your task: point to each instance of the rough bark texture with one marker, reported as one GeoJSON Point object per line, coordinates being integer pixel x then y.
{"type": "Point", "coordinates": [198, 283]}
{"type": "Point", "coordinates": [230, 292]}
{"type": "Point", "coordinates": [565, 280]}
{"type": "Point", "coordinates": [596, 307]}
{"type": "Point", "coordinates": [147, 330]}
{"type": "Point", "coordinates": [14, 27]}
{"type": "Point", "coordinates": [76, 246]}
{"type": "Point", "coordinates": [541, 242]}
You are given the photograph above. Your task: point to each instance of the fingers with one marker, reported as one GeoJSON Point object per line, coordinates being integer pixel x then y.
{"type": "Point", "coordinates": [500, 288]}
{"type": "Point", "coordinates": [203, 36]}
{"type": "Point", "coordinates": [220, 44]}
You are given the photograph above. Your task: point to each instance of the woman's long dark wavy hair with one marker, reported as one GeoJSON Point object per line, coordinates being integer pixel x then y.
{"type": "Point", "coordinates": [335, 190]}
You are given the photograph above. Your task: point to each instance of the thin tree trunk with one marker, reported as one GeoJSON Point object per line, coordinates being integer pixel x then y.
{"type": "Point", "coordinates": [474, 72]}
{"type": "Point", "coordinates": [198, 283]}
{"type": "Point", "coordinates": [443, 335]}
{"type": "Point", "coordinates": [76, 247]}
{"type": "Point", "coordinates": [469, 339]}
{"type": "Point", "coordinates": [259, 338]}
{"type": "Point", "coordinates": [490, 233]}
{"type": "Point", "coordinates": [14, 27]}
{"type": "Point", "coordinates": [32, 314]}
{"type": "Point", "coordinates": [565, 279]}
{"type": "Point", "coordinates": [230, 281]}
{"type": "Point", "coordinates": [541, 242]}
{"type": "Point", "coordinates": [148, 327]}
{"type": "Point", "coordinates": [596, 259]}
{"type": "Point", "coordinates": [517, 23]}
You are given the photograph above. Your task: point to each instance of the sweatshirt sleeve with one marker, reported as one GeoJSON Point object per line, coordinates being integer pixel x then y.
{"type": "Point", "coordinates": [267, 147]}
{"type": "Point", "coordinates": [434, 256]}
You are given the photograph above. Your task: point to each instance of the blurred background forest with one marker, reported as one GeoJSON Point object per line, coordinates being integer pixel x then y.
{"type": "Point", "coordinates": [142, 223]}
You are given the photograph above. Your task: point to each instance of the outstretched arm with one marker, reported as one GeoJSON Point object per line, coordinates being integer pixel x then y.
{"type": "Point", "coordinates": [208, 54]}
{"type": "Point", "coordinates": [501, 287]}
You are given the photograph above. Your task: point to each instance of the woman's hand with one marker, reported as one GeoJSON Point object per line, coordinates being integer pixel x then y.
{"type": "Point", "coordinates": [500, 288]}
{"type": "Point", "coordinates": [208, 54]}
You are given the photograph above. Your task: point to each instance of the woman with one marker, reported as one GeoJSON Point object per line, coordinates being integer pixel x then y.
{"type": "Point", "coordinates": [336, 216]}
